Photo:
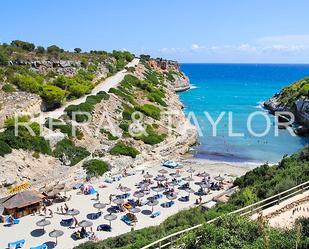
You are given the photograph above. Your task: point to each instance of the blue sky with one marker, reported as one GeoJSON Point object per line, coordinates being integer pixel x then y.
{"type": "Point", "coordinates": [270, 31]}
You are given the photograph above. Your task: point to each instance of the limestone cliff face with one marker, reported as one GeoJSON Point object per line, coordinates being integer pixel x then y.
{"type": "Point", "coordinates": [180, 136]}
{"type": "Point", "coordinates": [178, 80]}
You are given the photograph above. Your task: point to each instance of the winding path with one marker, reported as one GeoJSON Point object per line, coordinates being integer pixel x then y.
{"type": "Point", "coordinates": [105, 85]}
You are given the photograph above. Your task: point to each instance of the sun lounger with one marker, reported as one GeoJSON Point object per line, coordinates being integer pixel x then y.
{"type": "Point", "coordinates": [66, 222]}
{"type": "Point", "coordinates": [12, 221]}
{"type": "Point", "coordinates": [158, 196]}
{"type": "Point", "coordinates": [94, 216]}
{"type": "Point", "coordinates": [126, 220]}
{"type": "Point", "coordinates": [16, 244]}
{"type": "Point", "coordinates": [155, 214]}
{"type": "Point", "coordinates": [104, 227]}
{"type": "Point", "coordinates": [43, 246]}
{"type": "Point", "coordinates": [108, 180]}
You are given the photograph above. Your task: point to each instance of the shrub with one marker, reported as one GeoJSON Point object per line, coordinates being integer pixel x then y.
{"type": "Point", "coordinates": [53, 95]}
{"type": "Point", "coordinates": [150, 110]}
{"type": "Point", "coordinates": [86, 107]}
{"type": "Point", "coordinates": [110, 136]}
{"type": "Point", "coordinates": [54, 49]}
{"type": "Point", "coordinates": [23, 45]}
{"type": "Point", "coordinates": [95, 167]}
{"type": "Point", "coordinates": [56, 124]}
{"type": "Point", "coordinates": [77, 50]}
{"type": "Point", "coordinates": [122, 149]}
{"type": "Point", "coordinates": [4, 148]}
{"type": "Point", "coordinates": [152, 137]}
{"type": "Point", "coordinates": [8, 88]}
{"type": "Point", "coordinates": [4, 59]}
{"type": "Point", "coordinates": [40, 50]}
{"type": "Point", "coordinates": [67, 147]}
{"type": "Point", "coordinates": [124, 126]}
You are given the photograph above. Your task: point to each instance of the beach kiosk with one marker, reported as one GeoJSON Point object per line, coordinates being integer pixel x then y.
{"type": "Point", "coordinates": [22, 203]}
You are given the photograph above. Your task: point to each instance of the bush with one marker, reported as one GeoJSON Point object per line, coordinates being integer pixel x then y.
{"type": "Point", "coordinates": [110, 136]}
{"type": "Point", "coordinates": [4, 59]}
{"type": "Point", "coordinates": [74, 154]}
{"type": "Point", "coordinates": [122, 149]}
{"type": "Point", "coordinates": [150, 110]}
{"type": "Point", "coordinates": [23, 45]}
{"type": "Point", "coordinates": [124, 126]}
{"type": "Point", "coordinates": [56, 124]}
{"type": "Point", "coordinates": [86, 107]}
{"type": "Point", "coordinates": [95, 167]}
{"type": "Point", "coordinates": [152, 137]}
{"type": "Point", "coordinates": [40, 50]}
{"type": "Point", "coordinates": [4, 148]}
{"type": "Point", "coordinates": [8, 88]}
{"type": "Point", "coordinates": [53, 95]}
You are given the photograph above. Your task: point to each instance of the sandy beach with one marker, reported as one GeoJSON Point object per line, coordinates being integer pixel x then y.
{"type": "Point", "coordinates": [28, 230]}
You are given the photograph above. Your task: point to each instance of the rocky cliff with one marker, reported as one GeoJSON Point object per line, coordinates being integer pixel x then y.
{"type": "Point", "coordinates": [295, 99]}
{"type": "Point", "coordinates": [150, 91]}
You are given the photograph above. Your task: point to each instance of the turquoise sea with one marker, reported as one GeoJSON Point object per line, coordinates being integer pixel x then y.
{"type": "Point", "coordinates": [239, 89]}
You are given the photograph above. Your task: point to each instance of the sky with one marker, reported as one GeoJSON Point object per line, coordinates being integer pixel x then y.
{"type": "Point", "coordinates": [211, 31]}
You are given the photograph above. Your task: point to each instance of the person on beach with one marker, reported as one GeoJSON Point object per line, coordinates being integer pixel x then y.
{"type": "Point", "coordinates": [75, 221]}
{"type": "Point", "coordinates": [66, 208]}
{"type": "Point", "coordinates": [50, 213]}
{"type": "Point", "coordinates": [110, 198]}
{"type": "Point", "coordinates": [98, 196]}
{"type": "Point", "coordinates": [61, 209]}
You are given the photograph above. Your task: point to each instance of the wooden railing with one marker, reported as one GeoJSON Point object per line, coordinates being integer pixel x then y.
{"type": "Point", "coordinates": [249, 210]}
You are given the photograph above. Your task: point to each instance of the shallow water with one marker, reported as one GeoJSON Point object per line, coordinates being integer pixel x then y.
{"type": "Point", "coordinates": [239, 89]}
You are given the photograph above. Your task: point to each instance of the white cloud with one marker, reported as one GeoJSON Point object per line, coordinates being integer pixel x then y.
{"type": "Point", "coordinates": [285, 40]}
{"type": "Point", "coordinates": [196, 47]}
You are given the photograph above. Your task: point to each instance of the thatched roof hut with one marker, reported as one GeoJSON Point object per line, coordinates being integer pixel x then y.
{"type": "Point", "coordinates": [22, 203]}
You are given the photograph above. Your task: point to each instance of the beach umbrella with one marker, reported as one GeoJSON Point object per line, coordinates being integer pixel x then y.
{"type": "Point", "coordinates": [204, 185]}
{"type": "Point", "coordinates": [148, 176]}
{"type": "Point", "coordinates": [56, 234]}
{"type": "Point", "coordinates": [189, 191]}
{"type": "Point", "coordinates": [158, 189]}
{"type": "Point", "coordinates": [173, 183]}
{"type": "Point", "coordinates": [191, 171]}
{"type": "Point", "coordinates": [144, 185]}
{"type": "Point", "coordinates": [175, 175]}
{"type": "Point", "coordinates": [160, 178]}
{"type": "Point", "coordinates": [43, 223]}
{"type": "Point", "coordinates": [188, 179]}
{"type": "Point", "coordinates": [152, 203]}
{"type": "Point", "coordinates": [204, 174]}
{"type": "Point", "coordinates": [99, 205]}
{"type": "Point", "coordinates": [171, 196]}
{"type": "Point", "coordinates": [110, 218]}
{"type": "Point", "coordinates": [134, 210]}
{"type": "Point", "coordinates": [85, 223]}
{"type": "Point", "coordinates": [139, 194]}
{"type": "Point", "coordinates": [125, 189]}
{"type": "Point", "coordinates": [118, 201]}
{"type": "Point", "coordinates": [163, 171]}
{"type": "Point", "coordinates": [219, 178]}
{"type": "Point", "coordinates": [73, 212]}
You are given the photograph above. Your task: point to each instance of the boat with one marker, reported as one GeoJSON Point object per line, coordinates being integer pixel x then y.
{"type": "Point", "coordinates": [170, 164]}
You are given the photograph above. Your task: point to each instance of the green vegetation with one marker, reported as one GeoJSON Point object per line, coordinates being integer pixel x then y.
{"type": "Point", "coordinates": [295, 91]}
{"type": "Point", "coordinates": [125, 150]}
{"type": "Point", "coordinates": [169, 76]}
{"type": "Point", "coordinates": [56, 124]}
{"type": "Point", "coordinates": [24, 139]}
{"type": "Point", "coordinates": [110, 136]}
{"type": "Point", "coordinates": [73, 153]}
{"type": "Point", "coordinates": [8, 88]}
{"type": "Point", "coordinates": [4, 148]}
{"type": "Point", "coordinates": [95, 167]}
{"type": "Point", "coordinates": [152, 136]}
{"type": "Point", "coordinates": [53, 87]}
{"type": "Point", "coordinates": [150, 110]}
{"type": "Point", "coordinates": [255, 185]}
{"type": "Point", "coordinates": [86, 108]}
{"type": "Point", "coordinates": [235, 232]}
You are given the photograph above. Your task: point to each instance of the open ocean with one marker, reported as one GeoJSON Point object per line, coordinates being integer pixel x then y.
{"type": "Point", "coordinates": [240, 89]}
